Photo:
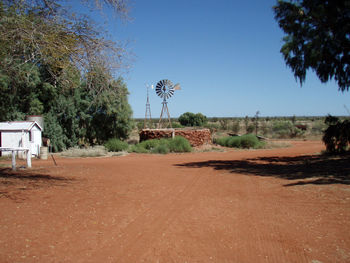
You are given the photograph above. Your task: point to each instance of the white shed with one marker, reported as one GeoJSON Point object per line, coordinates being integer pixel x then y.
{"type": "Point", "coordinates": [21, 134]}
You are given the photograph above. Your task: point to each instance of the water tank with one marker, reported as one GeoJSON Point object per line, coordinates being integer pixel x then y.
{"type": "Point", "coordinates": [38, 118]}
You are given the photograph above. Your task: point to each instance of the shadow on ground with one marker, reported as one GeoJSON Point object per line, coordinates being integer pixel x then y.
{"type": "Point", "coordinates": [310, 169]}
{"type": "Point", "coordinates": [14, 184]}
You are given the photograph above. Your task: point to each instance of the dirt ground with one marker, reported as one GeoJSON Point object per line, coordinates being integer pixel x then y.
{"type": "Point", "coordinates": [275, 205]}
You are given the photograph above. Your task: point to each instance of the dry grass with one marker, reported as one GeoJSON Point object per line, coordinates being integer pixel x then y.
{"type": "Point", "coordinates": [95, 151]}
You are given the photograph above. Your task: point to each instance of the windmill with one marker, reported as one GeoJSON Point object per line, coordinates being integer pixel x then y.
{"type": "Point", "coordinates": [165, 89]}
{"type": "Point", "coordinates": [148, 117]}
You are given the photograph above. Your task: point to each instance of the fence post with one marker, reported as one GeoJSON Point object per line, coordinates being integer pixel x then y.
{"type": "Point", "coordinates": [29, 158]}
{"type": "Point", "coordinates": [13, 160]}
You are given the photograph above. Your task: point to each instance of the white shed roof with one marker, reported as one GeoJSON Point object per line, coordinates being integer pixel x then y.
{"type": "Point", "coordinates": [18, 125]}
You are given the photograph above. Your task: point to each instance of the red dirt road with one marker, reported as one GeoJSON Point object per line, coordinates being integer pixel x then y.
{"type": "Point", "coordinates": [280, 205]}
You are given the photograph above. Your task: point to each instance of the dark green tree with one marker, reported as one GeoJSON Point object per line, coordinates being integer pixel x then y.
{"type": "Point", "coordinates": [191, 119]}
{"type": "Point", "coordinates": [317, 38]}
{"type": "Point", "coordinates": [337, 136]}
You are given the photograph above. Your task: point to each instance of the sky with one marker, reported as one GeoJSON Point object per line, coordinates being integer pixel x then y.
{"type": "Point", "coordinates": [226, 56]}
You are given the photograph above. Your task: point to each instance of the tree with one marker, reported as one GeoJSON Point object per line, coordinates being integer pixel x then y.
{"type": "Point", "coordinates": [60, 66]}
{"type": "Point", "coordinates": [191, 119]}
{"type": "Point", "coordinates": [337, 136]}
{"type": "Point", "coordinates": [317, 38]}
{"type": "Point", "coordinates": [41, 32]}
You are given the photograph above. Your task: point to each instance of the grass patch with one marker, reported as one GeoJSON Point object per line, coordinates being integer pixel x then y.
{"type": "Point", "coordinates": [95, 151]}
{"type": "Point", "coordinates": [163, 146]}
{"type": "Point", "coordinates": [245, 141]}
{"type": "Point", "coordinates": [116, 145]}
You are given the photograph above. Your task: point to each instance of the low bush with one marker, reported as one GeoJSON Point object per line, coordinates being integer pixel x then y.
{"type": "Point", "coordinates": [250, 141]}
{"type": "Point", "coordinates": [176, 125]}
{"type": "Point", "coordinates": [245, 141]}
{"type": "Point", "coordinates": [116, 145]}
{"type": "Point", "coordinates": [163, 146]}
{"type": "Point", "coordinates": [179, 144]}
{"type": "Point", "coordinates": [286, 129]}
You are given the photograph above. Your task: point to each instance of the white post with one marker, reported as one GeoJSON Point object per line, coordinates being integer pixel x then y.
{"type": "Point", "coordinates": [13, 160]}
{"type": "Point", "coordinates": [29, 159]}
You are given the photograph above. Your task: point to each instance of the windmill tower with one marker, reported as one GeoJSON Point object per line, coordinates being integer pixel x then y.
{"type": "Point", "coordinates": [148, 117]}
{"type": "Point", "coordinates": [165, 89]}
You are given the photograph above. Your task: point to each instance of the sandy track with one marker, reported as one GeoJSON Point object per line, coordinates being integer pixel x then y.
{"type": "Point", "coordinates": [240, 206]}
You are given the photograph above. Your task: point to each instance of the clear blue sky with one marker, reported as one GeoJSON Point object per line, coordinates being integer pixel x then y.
{"type": "Point", "coordinates": [225, 54]}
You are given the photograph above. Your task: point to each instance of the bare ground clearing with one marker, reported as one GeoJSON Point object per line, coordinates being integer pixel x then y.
{"type": "Point", "coordinates": [278, 205]}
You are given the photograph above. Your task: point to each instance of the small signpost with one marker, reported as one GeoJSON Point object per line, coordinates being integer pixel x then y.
{"type": "Point", "coordinates": [14, 150]}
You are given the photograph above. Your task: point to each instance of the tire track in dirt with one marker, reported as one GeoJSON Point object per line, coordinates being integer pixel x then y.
{"type": "Point", "coordinates": [136, 238]}
{"type": "Point", "coordinates": [270, 238]}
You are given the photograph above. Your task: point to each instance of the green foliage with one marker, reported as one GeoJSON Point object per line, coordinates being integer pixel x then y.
{"type": "Point", "coordinates": [60, 66]}
{"type": "Point", "coordinates": [224, 124]}
{"type": "Point", "coordinates": [286, 129]}
{"type": "Point", "coordinates": [235, 126]}
{"type": "Point", "coordinates": [54, 131]}
{"type": "Point", "coordinates": [282, 129]}
{"type": "Point", "coordinates": [161, 149]}
{"type": "Point", "coordinates": [250, 128]}
{"type": "Point", "coordinates": [317, 38]}
{"type": "Point", "coordinates": [116, 145]}
{"type": "Point", "coordinates": [179, 144]}
{"type": "Point", "coordinates": [337, 136]}
{"type": "Point", "coordinates": [213, 127]}
{"type": "Point", "coordinates": [176, 125]}
{"type": "Point", "coordinates": [191, 119]}
{"type": "Point", "coordinates": [163, 146]}
{"type": "Point", "coordinates": [245, 141]}
{"type": "Point", "coordinates": [250, 141]}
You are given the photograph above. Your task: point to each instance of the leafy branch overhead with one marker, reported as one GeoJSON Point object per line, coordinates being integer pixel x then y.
{"type": "Point", "coordinates": [317, 38]}
{"type": "Point", "coordinates": [44, 32]}
{"type": "Point", "coordinates": [62, 66]}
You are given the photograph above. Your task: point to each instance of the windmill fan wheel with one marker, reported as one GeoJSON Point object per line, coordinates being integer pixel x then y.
{"type": "Point", "coordinates": [165, 89]}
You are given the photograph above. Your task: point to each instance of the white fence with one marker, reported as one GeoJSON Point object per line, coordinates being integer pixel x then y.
{"type": "Point", "coordinates": [14, 150]}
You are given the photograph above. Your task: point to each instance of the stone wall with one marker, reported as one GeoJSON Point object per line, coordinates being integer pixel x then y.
{"type": "Point", "coordinates": [196, 137]}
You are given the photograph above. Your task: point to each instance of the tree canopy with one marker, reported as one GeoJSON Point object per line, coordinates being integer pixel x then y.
{"type": "Point", "coordinates": [317, 38]}
{"type": "Point", "coordinates": [60, 65]}
{"type": "Point", "coordinates": [191, 119]}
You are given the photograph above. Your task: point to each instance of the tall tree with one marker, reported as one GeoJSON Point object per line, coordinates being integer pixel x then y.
{"type": "Point", "coordinates": [317, 38]}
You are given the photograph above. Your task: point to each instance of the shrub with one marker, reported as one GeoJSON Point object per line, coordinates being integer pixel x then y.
{"type": "Point", "coordinates": [235, 126]}
{"type": "Point", "coordinates": [212, 127]}
{"type": "Point", "coordinates": [163, 146]}
{"type": "Point", "coordinates": [245, 141]}
{"type": "Point", "coordinates": [116, 145]}
{"type": "Point", "coordinates": [223, 141]}
{"type": "Point", "coordinates": [176, 125]}
{"type": "Point", "coordinates": [282, 129]}
{"type": "Point", "coordinates": [250, 128]}
{"type": "Point", "coordinates": [138, 149]}
{"type": "Point", "coordinates": [224, 124]}
{"type": "Point", "coordinates": [149, 144]}
{"type": "Point", "coordinates": [234, 142]}
{"type": "Point", "coordinates": [249, 141]}
{"type": "Point", "coordinates": [337, 135]}
{"type": "Point", "coordinates": [179, 144]}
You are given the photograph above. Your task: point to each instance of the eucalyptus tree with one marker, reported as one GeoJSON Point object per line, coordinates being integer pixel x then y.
{"type": "Point", "coordinates": [317, 38]}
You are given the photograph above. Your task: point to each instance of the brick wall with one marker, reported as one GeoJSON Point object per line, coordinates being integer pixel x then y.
{"type": "Point", "coordinates": [196, 137]}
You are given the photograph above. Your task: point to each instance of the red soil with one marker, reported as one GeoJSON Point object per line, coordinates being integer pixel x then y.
{"type": "Point", "coordinates": [279, 205]}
